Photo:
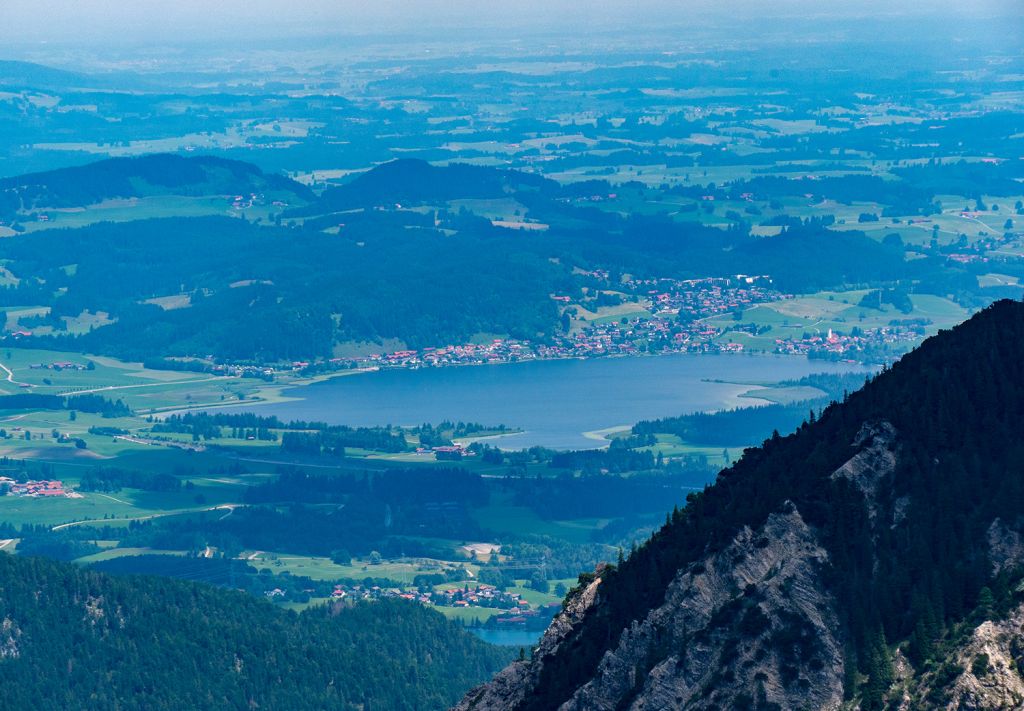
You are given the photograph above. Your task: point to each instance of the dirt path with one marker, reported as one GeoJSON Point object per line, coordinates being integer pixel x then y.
{"type": "Point", "coordinates": [10, 377]}
{"type": "Point", "coordinates": [108, 388]}
{"type": "Point", "coordinates": [112, 498]}
{"type": "Point", "coordinates": [147, 517]}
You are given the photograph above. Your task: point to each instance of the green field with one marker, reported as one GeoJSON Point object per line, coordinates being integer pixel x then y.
{"type": "Point", "coordinates": [320, 568]}
{"type": "Point", "coordinates": [113, 553]}
{"type": "Point", "coordinates": [837, 311]}
{"type": "Point", "coordinates": [672, 446]}
{"type": "Point", "coordinates": [146, 208]}
{"type": "Point", "coordinates": [505, 518]}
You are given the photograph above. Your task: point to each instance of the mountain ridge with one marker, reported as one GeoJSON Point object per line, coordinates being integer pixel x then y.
{"type": "Point", "coordinates": [890, 485]}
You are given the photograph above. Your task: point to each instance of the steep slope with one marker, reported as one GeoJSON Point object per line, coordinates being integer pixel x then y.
{"type": "Point", "coordinates": [159, 174]}
{"type": "Point", "coordinates": [76, 639]}
{"type": "Point", "coordinates": [894, 517]}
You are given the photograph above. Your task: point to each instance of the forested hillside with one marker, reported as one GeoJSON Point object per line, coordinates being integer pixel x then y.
{"type": "Point", "coordinates": [73, 638]}
{"type": "Point", "coordinates": [417, 274]}
{"type": "Point", "coordinates": [418, 182]}
{"type": "Point", "coordinates": [274, 293]}
{"type": "Point", "coordinates": [146, 176]}
{"type": "Point", "coordinates": [910, 491]}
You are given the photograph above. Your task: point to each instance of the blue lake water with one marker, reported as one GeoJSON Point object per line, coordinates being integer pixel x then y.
{"type": "Point", "coordinates": [508, 638]}
{"type": "Point", "coordinates": [555, 402]}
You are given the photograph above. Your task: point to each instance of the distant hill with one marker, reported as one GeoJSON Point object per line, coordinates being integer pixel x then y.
{"type": "Point", "coordinates": [873, 559]}
{"type": "Point", "coordinates": [412, 181]}
{"type": "Point", "coordinates": [77, 639]}
{"type": "Point", "coordinates": [37, 76]}
{"type": "Point", "coordinates": [159, 174]}
{"type": "Point", "coordinates": [279, 293]}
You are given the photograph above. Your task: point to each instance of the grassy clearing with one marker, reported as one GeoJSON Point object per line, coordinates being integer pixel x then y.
{"type": "Point", "coordinates": [106, 374]}
{"type": "Point", "coordinates": [470, 616]}
{"type": "Point", "coordinates": [504, 209]}
{"type": "Point", "coordinates": [987, 280]}
{"type": "Point", "coordinates": [112, 553]}
{"type": "Point", "coordinates": [506, 518]}
{"type": "Point", "coordinates": [536, 598]}
{"type": "Point", "coordinates": [20, 510]}
{"type": "Point", "coordinates": [672, 446]}
{"type": "Point", "coordinates": [609, 314]}
{"type": "Point", "coordinates": [322, 568]}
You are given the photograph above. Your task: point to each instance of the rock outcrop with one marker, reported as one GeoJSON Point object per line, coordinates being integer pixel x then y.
{"type": "Point", "coordinates": [1005, 547]}
{"type": "Point", "coordinates": [988, 678]}
{"type": "Point", "coordinates": [512, 685]}
{"type": "Point", "coordinates": [750, 623]}
{"type": "Point", "coordinates": [875, 461]}
{"type": "Point", "coordinates": [845, 566]}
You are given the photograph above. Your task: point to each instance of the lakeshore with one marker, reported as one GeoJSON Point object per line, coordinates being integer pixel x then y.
{"type": "Point", "coordinates": [557, 403]}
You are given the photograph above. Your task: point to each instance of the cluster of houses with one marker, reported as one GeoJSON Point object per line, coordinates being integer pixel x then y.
{"type": "Point", "coordinates": [38, 489]}
{"type": "Point", "coordinates": [700, 298]}
{"type": "Point", "coordinates": [242, 202]}
{"type": "Point", "coordinates": [58, 365]}
{"type": "Point", "coordinates": [670, 318]}
{"type": "Point", "coordinates": [477, 596]}
{"type": "Point", "coordinates": [837, 344]}
{"type": "Point", "coordinates": [663, 300]}
{"type": "Point", "coordinates": [676, 324]}
{"type": "Point", "coordinates": [499, 350]}
{"type": "Point", "coordinates": [446, 451]}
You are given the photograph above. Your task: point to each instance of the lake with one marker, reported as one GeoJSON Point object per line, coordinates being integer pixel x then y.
{"type": "Point", "coordinates": [560, 404]}
{"type": "Point", "coordinates": [508, 638]}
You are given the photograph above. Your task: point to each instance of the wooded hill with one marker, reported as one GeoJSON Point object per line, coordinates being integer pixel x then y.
{"type": "Point", "coordinates": [145, 176]}
{"type": "Point", "coordinates": [417, 182]}
{"type": "Point", "coordinates": [276, 293]}
{"type": "Point", "coordinates": [76, 639]}
{"type": "Point", "coordinates": [359, 268]}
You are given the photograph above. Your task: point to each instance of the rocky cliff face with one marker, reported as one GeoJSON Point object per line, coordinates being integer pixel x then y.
{"type": "Point", "coordinates": [752, 624]}
{"type": "Point", "coordinates": [982, 673]}
{"type": "Point", "coordinates": [991, 679]}
{"type": "Point", "coordinates": [514, 683]}
{"type": "Point", "coordinates": [871, 560]}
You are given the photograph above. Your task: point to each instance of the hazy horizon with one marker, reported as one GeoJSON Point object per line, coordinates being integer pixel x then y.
{"type": "Point", "coordinates": [57, 22]}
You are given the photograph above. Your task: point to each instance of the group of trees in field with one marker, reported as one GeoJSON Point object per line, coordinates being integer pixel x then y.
{"type": "Point", "coordinates": [96, 404]}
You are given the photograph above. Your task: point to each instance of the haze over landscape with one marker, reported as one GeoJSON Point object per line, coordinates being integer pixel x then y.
{"type": "Point", "coordinates": [511, 356]}
{"type": "Point", "coordinates": [59, 21]}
